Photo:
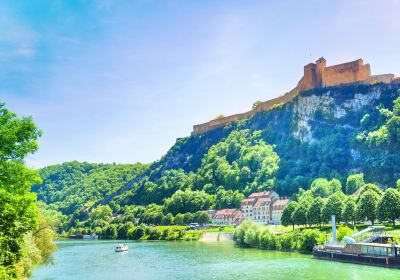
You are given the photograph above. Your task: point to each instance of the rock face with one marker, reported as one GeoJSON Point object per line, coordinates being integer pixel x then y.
{"type": "Point", "coordinates": [306, 107]}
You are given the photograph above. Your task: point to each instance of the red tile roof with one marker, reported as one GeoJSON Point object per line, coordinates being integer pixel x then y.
{"type": "Point", "coordinates": [248, 201]}
{"type": "Point", "coordinates": [280, 204]}
{"type": "Point", "coordinates": [262, 201]}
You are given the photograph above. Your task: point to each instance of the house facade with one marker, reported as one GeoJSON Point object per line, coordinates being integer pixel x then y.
{"type": "Point", "coordinates": [277, 210]}
{"type": "Point", "coordinates": [227, 217]}
{"type": "Point", "coordinates": [263, 207]}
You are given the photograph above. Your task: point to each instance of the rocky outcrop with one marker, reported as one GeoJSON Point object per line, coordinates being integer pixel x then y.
{"type": "Point", "coordinates": [306, 107]}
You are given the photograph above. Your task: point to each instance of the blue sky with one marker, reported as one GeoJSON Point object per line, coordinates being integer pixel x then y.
{"type": "Point", "coordinates": [119, 81]}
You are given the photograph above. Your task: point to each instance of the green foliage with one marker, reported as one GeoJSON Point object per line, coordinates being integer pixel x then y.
{"type": "Point", "coordinates": [38, 245]}
{"type": "Point", "coordinates": [101, 213]}
{"type": "Point", "coordinates": [371, 187]}
{"type": "Point", "coordinates": [18, 211]}
{"type": "Point", "coordinates": [343, 231]}
{"type": "Point", "coordinates": [250, 234]}
{"type": "Point", "coordinates": [354, 182]}
{"type": "Point", "coordinates": [308, 239]}
{"type": "Point", "coordinates": [179, 219]}
{"type": "Point", "coordinates": [287, 213]}
{"type": "Point", "coordinates": [188, 201]}
{"type": "Point", "coordinates": [299, 215]}
{"type": "Point", "coordinates": [240, 232]}
{"type": "Point", "coordinates": [242, 162]}
{"type": "Point", "coordinates": [321, 187]}
{"type": "Point", "coordinates": [389, 206]}
{"type": "Point", "coordinates": [228, 199]}
{"type": "Point", "coordinates": [72, 185]}
{"type": "Point", "coordinates": [350, 210]}
{"type": "Point", "coordinates": [367, 205]}
{"type": "Point", "coordinates": [333, 206]}
{"type": "Point", "coordinates": [314, 212]}
{"type": "Point", "coordinates": [380, 143]}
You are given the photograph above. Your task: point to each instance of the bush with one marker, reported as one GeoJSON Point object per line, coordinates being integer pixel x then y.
{"type": "Point", "coordinates": [269, 241]}
{"type": "Point", "coordinates": [308, 239]}
{"type": "Point", "coordinates": [288, 241]}
{"type": "Point", "coordinates": [343, 231]}
{"type": "Point", "coordinates": [136, 233]}
{"type": "Point", "coordinates": [155, 234]}
{"type": "Point", "coordinates": [241, 231]}
{"type": "Point", "coordinates": [252, 236]}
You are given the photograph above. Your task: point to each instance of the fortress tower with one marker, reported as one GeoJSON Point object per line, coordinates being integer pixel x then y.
{"type": "Point", "coordinates": [318, 75]}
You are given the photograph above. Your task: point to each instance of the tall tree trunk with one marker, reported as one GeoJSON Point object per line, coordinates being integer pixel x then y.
{"type": "Point", "coordinates": [394, 223]}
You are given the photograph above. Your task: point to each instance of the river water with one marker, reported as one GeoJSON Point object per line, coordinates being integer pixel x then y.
{"type": "Point", "coordinates": [96, 260]}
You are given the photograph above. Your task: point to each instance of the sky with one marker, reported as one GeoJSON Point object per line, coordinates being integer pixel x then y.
{"type": "Point", "coordinates": [119, 81]}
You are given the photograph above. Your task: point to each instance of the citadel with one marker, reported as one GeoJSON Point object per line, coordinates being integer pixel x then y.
{"type": "Point", "coordinates": [316, 75]}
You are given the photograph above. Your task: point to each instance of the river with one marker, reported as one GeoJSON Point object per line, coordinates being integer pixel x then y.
{"type": "Point", "coordinates": [96, 260]}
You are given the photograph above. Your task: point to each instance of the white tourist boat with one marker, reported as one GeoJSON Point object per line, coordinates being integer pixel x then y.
{"type": "Point", "coordinates": [121, 248]}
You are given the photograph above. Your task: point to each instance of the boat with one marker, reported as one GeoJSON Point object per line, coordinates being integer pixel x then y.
{"type": "Point", "coordinates": [363, 253]}
{"type": "Point", "coordinates": [362, 248]}
{"type": "Point", "coordinates": [121, 248]}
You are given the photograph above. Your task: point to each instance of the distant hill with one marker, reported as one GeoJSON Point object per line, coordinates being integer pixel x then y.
{"type": "Point", "coordinates": [70, 185]}
{"type": "Point", "coordinates": [324, 132]}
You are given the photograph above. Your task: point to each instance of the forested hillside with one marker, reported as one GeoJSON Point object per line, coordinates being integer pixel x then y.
{"type": "Point", "coordinates": [322, 133]}
{"type": "Point", "coordinates": [72, 185]}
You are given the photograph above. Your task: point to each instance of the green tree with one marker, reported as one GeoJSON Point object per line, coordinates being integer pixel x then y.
{"type": "Point", "coordinates": [202, 217]}
{"type": "Point", "coordinates": [314, 212]}
{"type": "Point", "coordinates": [354, 182]}
{"type": "Point", "coordinates": [371, 187]}
{"type": "Point", "coordinates": [178, 220]}
{"type": "Point", "coordinates": [367, 205]}
{"type": "Point", "coordinates": [333, 206]}
{"type": "Point", "coordinates": [287, 214]}
{"type": "Point", "coordinates": [18, 212]}
{"type": "Point", "coordinates": [101, 213]}
{"type": "Point", "coordinates": [168, 219]}
{"type": "Point", "coordinates": [111, 232]}
{"type": "Point", "coordinates": [349, 210]}
{"type": "Point", "coordinates": [389, 206]}
{"type": "Point", "coordinates": [188, 218]}
{"type": "Point", "coordinates": [299, 215]}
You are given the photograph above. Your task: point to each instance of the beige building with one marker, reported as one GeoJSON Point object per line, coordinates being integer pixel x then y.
{"type": "Point", "coordinates": [277, 209]}
{"type": "Point", "coordinates": [257, 207]}
{"type": "Point", "coordinates": [262, 211]}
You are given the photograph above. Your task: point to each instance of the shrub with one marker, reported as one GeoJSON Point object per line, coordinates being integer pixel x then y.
{"type": "Point", "coordinates": [252, 236]}
{"type": "Point", "coordinates": [308, 240]}
{"type": "Point", "coordinates": [155, 234]}
{"type": "Point", "coordinates": [343, 231]}
{"type": "Point", "coordinates": [288, 241]}
{"type": "Point", "coordinates": [136, 233]}
{"type": "Point", "coordinates": [241, 231]}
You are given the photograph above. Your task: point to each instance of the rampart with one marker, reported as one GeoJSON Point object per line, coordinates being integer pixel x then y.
{"type": "Point", "coordinates": [315, 75]}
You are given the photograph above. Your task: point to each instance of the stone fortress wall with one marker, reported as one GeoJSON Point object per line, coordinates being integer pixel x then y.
{"type": "Point", "coordinates": [315, 75]}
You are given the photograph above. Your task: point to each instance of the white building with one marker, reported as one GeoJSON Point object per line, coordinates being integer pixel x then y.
{"type": "Point", "coordinates": [277, 210]}
{"type": "Point", "coordinates": [258, 206]}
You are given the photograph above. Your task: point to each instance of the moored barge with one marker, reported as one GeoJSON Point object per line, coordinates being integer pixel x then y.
{"type": "Point", "coordinates": [363, 253]}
